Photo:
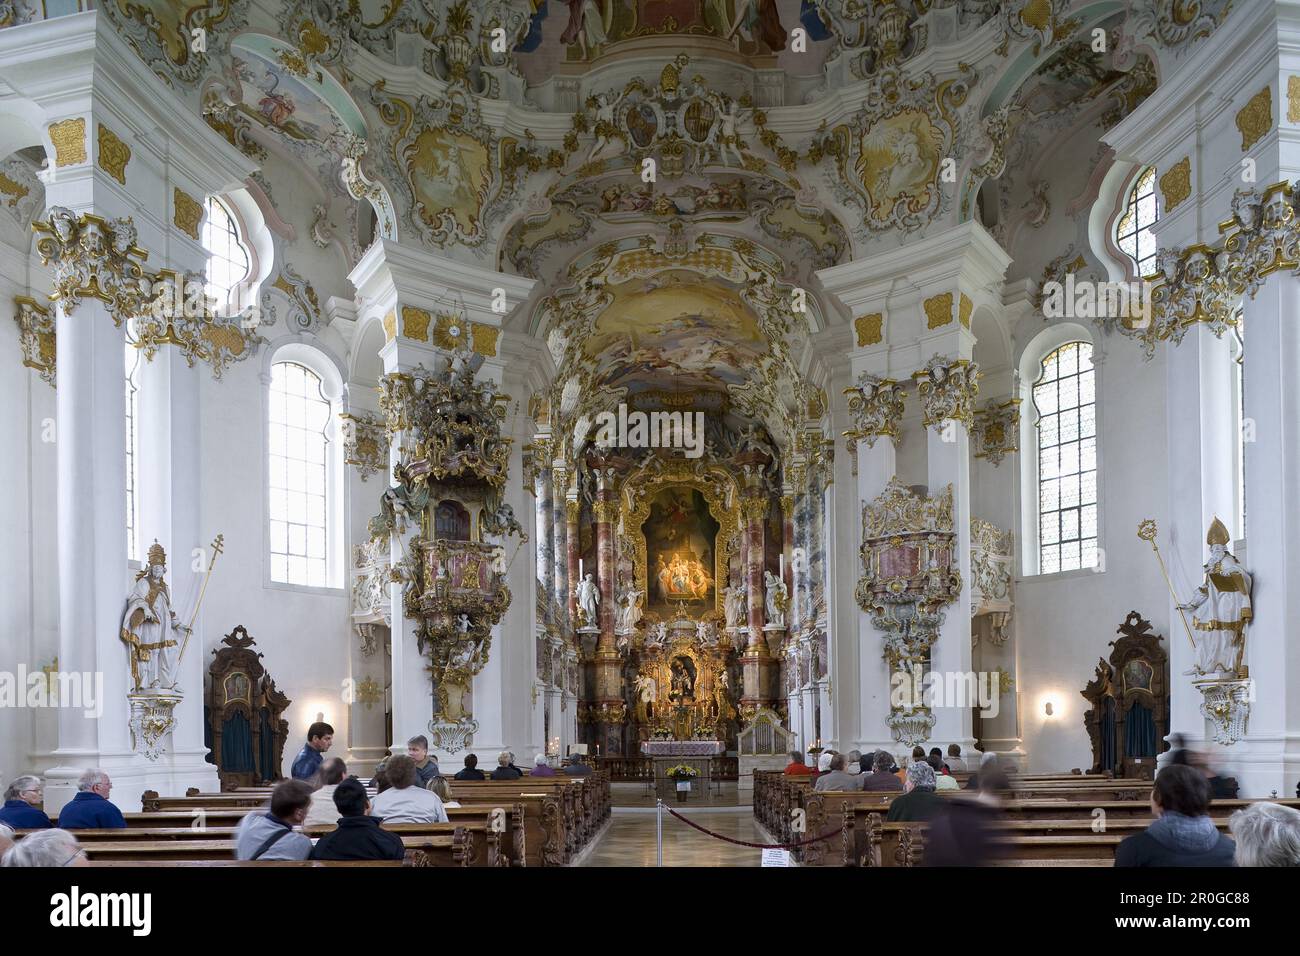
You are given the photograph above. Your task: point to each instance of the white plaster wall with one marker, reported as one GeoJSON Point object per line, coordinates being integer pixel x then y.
{"type": "Point", "coordinates": [1064, 622]}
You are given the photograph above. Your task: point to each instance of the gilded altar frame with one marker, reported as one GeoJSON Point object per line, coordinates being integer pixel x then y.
{"type": "Point", "coordinates": [720, 494]}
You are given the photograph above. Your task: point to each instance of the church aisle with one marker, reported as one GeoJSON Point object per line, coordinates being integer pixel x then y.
{"type": "Point", "coordinates": [630, 840]}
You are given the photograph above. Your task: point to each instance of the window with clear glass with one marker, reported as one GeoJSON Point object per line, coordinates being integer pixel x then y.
{"type": "Point", "coordinates": [1133, 228]}
{"type": "Point", "coordinates": [1065, 403]}
{"type": "Point", "coordinates": [132, 454]}
{"type": "Point", "coordinates": [228, 259]}
{"type": "Point", "coordinates": [299, 421]}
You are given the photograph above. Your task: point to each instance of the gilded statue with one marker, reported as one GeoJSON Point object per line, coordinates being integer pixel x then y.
{"type": "Point", "coordinates": [1221, 610]}
{"type": "Point", "coordinates": [150, 629]}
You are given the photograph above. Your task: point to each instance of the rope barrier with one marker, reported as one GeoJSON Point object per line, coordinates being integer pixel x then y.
{"type": "Point", "coordinates": [745, 843]}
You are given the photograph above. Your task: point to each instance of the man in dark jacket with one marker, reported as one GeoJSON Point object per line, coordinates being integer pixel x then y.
{"type": "Point", "coordinates": [920, 802]}
{"type": "Point", "coordinates": [576, 767]}
{"type": "Point", "coordinates": [358, 836]}
{"type": "Point", "coordinates": [505, 769]}
{"type": "Point", "coordinates": [884, 778]}
{"type": "Point", "coordinates": [90, 809]}
{"type": "Point", "coordinates": [319, 737]}
{"type": "Point", "coordinates": [471, 771]}
{"type": "Point", "coordinates": [22, 809]}
{"type": "Point", "coordinates": [1184, 833]}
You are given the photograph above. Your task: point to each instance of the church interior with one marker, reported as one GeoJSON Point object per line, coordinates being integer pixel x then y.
{"type": "Point", "coordinates": [713, 407]}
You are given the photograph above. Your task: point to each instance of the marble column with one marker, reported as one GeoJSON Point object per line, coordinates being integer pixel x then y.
{"type": "Point", "coordinates": [610, 706]}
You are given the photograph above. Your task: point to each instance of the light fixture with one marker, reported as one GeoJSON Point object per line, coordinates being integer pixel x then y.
{"type": "Point", "coordinates": [1048, 708]}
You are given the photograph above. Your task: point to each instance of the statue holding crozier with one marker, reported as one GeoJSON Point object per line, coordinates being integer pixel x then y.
{"type": "Point", "coordinates": [1220, 610]}
{"type": "Point", "coordinates": [150, 629]}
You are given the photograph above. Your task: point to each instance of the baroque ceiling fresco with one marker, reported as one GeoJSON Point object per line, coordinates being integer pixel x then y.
{"type": "Point", "coordinates": [672, 172]}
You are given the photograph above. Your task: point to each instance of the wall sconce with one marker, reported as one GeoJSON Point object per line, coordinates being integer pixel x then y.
{"type": "Point", "coordinates": [1048, 708]}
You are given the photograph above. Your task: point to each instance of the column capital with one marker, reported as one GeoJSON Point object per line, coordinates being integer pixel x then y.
{"type": "Point", "coordinates": [947, 389]}
{"type": "Point", "coordinates": [876, 405]}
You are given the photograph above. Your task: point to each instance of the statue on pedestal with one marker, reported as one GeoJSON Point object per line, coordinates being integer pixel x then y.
{"type": "Point", "coordinates": [1221, 610]}
{"type": "Point", "coordinates": [629, 614]}
{"type": "Point", "coordinates": [734, 605]}
{"type": "Point", "coordinates": [588, 595]}
{"type": "Point", "coordinates": [150, 630]}
{"type": "Point", "coordinates": [777, 600]}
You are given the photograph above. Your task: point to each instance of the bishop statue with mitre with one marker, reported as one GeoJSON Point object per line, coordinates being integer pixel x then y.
{"type": "Point", "coordinates": [150, 629]}
{"type": "Point", "coordinates": [1220, 611]}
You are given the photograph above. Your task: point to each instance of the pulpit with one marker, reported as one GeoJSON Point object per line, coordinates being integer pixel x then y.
{"type": "Point", "coordinates": [692, 753]}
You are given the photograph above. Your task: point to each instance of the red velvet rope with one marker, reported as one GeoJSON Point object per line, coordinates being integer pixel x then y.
{"type": "Point", "coordinates": [752, 846]}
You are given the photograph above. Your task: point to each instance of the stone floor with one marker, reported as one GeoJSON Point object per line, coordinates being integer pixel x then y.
{"type": "Point", "coordinates": [719, 795]}
{"type": "Point", "coordinates": [629, 839]}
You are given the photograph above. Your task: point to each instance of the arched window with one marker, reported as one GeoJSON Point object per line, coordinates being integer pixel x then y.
{"type": "Point", "coordinates": [132, 454]}
{"type": "Point", "coordinates": [228, 259]}
{"type": "Point", "coordinates": [1133, 227]}
{"type": "Point", "coordinates": [300, 433]}
{"type": "Point", "coordinates": [1065, 403]}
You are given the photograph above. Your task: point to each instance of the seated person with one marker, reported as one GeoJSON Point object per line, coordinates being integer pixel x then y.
{"type": "Point", "coordinates": [90, 809]}
{"type": "Point", "coordinates": [1184, 833]}
{"type": "Point", "coordinates": [22, 809]}
{"type": "Point", "coordinates": [426, 765]}
{"type": "Point", "coordinates": [322, 812]}
{"type": "Point", "coordinates": [471, 770]}
{"type": "Point", "coordinates": [403, 801]}
{"type": "Point", "coordinates": [1267, 834]}
{"type": "Point", "coordinates": [442, 788]}
{"type": "Point", "coordinates": [797, 767]}
{"type": "Point", "coordinates": [919, 801]}
{"type": "Point", "coordinates": [358, 836]}
{"type": "Point", "coordinates": [541, 768]}
{"type": "Point", "coordinates": [954, 761]}
{"type": "Point", "coordinates": [884, 776]}
{"type": "Point", "coordinates": [49, 848]}
{"type": "Point", "coordinates": [837, 779]}
{"type": "Point", "coordinates": [942, 780]}
{"type": "Point", "coordinates": [576, 768]}
{"type": "Point", "coordinates": [505, 770]}
{"type": "Point", "coordinates": [270, 835]}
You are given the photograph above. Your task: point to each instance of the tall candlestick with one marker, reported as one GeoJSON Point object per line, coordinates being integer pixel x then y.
{"type": "Point", "coordinates": [580, 569]}
{"type": "Point", "coordinates": [781, 563]}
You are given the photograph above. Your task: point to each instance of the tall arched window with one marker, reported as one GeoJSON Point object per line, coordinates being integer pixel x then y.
{"type": "Point", "coordinates": [132, 454]}
{"type": "Point", "coordinates": [300, 431]}
{"type": "Point", "coordinates": [1133, 227]}
{"type": "Point", "coordinates": [228, 259]}
{"type": "Point", "coordinates": [1065, 402]}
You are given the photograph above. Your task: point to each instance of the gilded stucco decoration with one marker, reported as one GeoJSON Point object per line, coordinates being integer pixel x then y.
{"type": "Point", "coordinates": [1255, 118]}
{"type": "Point", "coordinates": [303, 313]}
{"type": "Point", "coordinates": [938, 310]}
{"type": "Point", "coordinates": [875, 408]}
{"type": "Point", "coordinates": [113, 154]}
{"type": "Point", "coordinates": [1176, 183]}
{"type": "Point", "coordinates": [162, 32]}
{"type": "Point", "coordinates": [187, 213]}
{"type": "Point", "coordinates": [93, 257]}
{"type": "Point", "coordinates": [947, 389]}
{"type": "Point", "coordinates": [36, 337]}
{"type": "Point", "coordinates": [870, 329]}
{"type": "Point", "coordinates": [997, 430]}
{"type": "Point", "coordinates": [69, 139]}
{"type": "Point", "coordinates": [365, 443]}
{"type": "Point", "coordinates": [888, 156]}
{"type": "Point", "coordinates": [179, 314]}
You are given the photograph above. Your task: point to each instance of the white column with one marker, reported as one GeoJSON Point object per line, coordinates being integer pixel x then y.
{"type": "Point", "coordinates": [948, 463]}
{"type": "Point", "coordinates": [1268, 759]}
{"type": "Point", "coordinates": [91, 442]}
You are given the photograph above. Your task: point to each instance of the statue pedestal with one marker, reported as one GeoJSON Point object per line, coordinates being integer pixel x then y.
{"type": "Point", "coordinates": [1226, 706]}
{"type": "Point", "coordinates": [152, 720]}
{"type": "Point", "coordinates": [588, 636]}
{"type": "Point", "coordinates": [774, 634]}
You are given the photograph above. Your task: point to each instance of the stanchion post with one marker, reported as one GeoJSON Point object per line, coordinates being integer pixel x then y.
{"type": "Point", "coordinates": [659, 832]}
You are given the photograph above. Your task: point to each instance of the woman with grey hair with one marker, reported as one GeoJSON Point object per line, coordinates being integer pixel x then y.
{"type": "Point", "coordinates": [23, 799]}
{"type": "Point", "coordinates": [47, 848]}
{"type": "Point", "coordinates": [6, 839]}
{"type": "Point", "coordinates": [1267, 834]}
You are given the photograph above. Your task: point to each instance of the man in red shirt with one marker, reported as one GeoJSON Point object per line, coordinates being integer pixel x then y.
{"type": "Point", "coordinates": [796, 767]}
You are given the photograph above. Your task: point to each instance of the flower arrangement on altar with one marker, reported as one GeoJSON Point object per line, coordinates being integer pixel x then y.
{"type": "Point", "coordinates": [681, 772]}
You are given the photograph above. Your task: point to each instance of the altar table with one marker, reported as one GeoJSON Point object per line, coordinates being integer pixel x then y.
{"type": "Point", "coordinates": [693, 753]}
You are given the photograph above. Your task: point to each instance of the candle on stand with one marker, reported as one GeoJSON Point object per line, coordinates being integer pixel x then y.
{"type": "Point", "coordinates": [781, 563]}
{"type": "Point", "coordinates": [580, 569]}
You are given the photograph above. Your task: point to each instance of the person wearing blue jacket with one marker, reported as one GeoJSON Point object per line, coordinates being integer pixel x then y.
{"type": "Point", "coordinates": [319, 737]}
{"type": "Point", "coordinates": [22, 808]}
{"type": "Point", "coordinates": [90, 809]}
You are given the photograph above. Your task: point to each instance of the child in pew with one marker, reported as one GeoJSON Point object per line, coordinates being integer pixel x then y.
{"type": "Point", "coordinates": [358, 836]}
{"type": "Point", "coordinates": [271, 836]}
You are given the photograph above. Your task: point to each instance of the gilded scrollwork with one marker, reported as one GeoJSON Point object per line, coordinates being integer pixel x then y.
{"type": "Point", "coordinates": [93, 257]}
{"type": "Point", "coordinates": [36, 337]}
{"type": "Point", "coordinates": [997, 430]}
{"type": "Point", "coordinates": [365, 443]}
{"type": "Point", "coordinates": [947, 389]}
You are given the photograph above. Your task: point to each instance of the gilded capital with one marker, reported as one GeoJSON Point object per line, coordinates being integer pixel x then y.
{"type": "Point", "coordinates": [93, 257]}
{"type": "Point", "coordinates": [876, 405]}
{"type": "Point", "coordinates": [572, 510]}
{"type": "Point", "coordinates": [947, 390]}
